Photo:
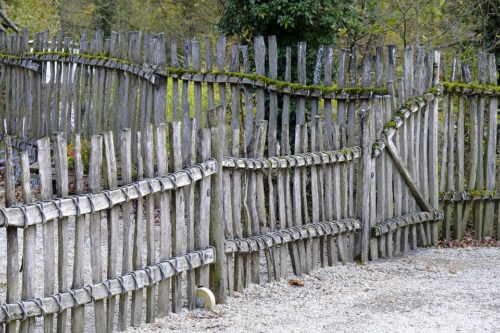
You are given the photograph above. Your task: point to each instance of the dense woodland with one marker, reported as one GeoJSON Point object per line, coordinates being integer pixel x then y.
{"type": "Point", "coordinates": [463, 26]}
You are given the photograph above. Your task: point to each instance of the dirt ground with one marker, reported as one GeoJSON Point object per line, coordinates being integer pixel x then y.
{"type": "Point", "coordinates": [430, 290]}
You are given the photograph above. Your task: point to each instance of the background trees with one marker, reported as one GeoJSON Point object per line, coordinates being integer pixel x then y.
{"type": "Point", "coordinates": [464, 26]}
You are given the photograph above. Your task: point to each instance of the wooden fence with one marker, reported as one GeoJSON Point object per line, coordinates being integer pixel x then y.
{"type": "Point", "coordinates": [283, 175]}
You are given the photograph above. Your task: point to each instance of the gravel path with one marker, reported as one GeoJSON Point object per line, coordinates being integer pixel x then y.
{"type": "Point", "coordinates": [430, 290]}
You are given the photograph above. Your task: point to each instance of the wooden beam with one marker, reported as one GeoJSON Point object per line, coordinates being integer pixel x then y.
{"type": "Point", "coordinates": [400, 165]}
{"type": "Point", "coordinates": [307, 231]}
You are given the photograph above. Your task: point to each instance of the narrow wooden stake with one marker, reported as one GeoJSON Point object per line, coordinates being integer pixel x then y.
{"type": "Point", "coordinates": [44, 164]}
{"type": "Point", "coordinates": [113, 224]}
{"type": "Point", "coordinates": [95, 175]}
{"type": "Point", "coordinates": [366, 176]}
{"type": "Point", "coordinates": [218, 273]}
{"type": "Point", "coordinates": [190, 215]}
{"type": "Point", "coordinates": [433, 149]}
{"type": "Point", "coordinates": [78, 313]}
{"type": "Point", "coordinates": [12, 294]}
{"type": "Point", "coordinates": [178, 223]}
{"type": "Point", "coordinates": [137, 262]}
{"type": "Point", "coordinates": [61, 168]}
{"type": "Point", "coordinates": [202, 225]}
{"type": "Point", "coordinates": [491, 150]}
{"type": "Point", "coordinates": [165, 227]}
{"type": "Point", "coordinates": [29, 247]}
{"type": "Point", "coordinates": [150, 220]}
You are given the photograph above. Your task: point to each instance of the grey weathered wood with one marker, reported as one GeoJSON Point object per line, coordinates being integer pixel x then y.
{"type": "Point", "coordinates": [195, 49]}
{"type": "Point", "coordinates": [29, 246]}
{"type": "Point", "coordinates": [410, 182]}
{"type": "Point", "coordinates": [44, 164]}
{"type": "Point", "coordinates": [366, 175]}
{"type": "Point", "coordinates": [315, 198]}
{"type": "Point", "coordinates": [190, 217]}
{"type": "Point", "coordinates": [112, 224]}
{"type": "Point", "coordinates": [95, 175]}
{"type": "Point", "coordinates": [160, 88]}
{"type": "Point", "coordinates": [449, 156]}
{"type": "Point", "coordinates": [178, 223]}
{"type": "Point", "coordinates": [491, 149]}
{"type": "Point", "coordinates": [208, 66]}
{"type": "Point", "coordinates": [260, 61]}
{"type": "Point", "coordinates": [175, 84]}
{"type": "Point", "coordinates": [202, 225]}
{"type": "Point", "coordinates": [165, 223]}
{"type": "Point", "coordinates": [126, 177]}
{"type": "Point", "coordinates": [285, 113]}
{"type": "Point", "coordinates": [12, 244]}
{"type": "Point", "coordinates": [236, 210]}
{"type": "Point", "coordinates": [478, 209]}
{"type": "Point", "coordinates": [218, 283]}
{"type": "Point", "coordinates": [148, 149]}
{"type": "Point", "coordinates": [61, 168]}
{"type": "Point", "coordinates": [135, 191]}
{"type": "Point", "coordinates": [433, 149]}
{"type": "Point", "coordinates": [460, 177]}
{"type": "Point", "coordinates": [301, 78]}
{"type": "Point", "coordinates": [261, 211]}
{"type": "Point", "coordinates": [107, 288]}
{"type": "Point", "coordinates": [220, 62]}
{"type": "Point", "coordinates": [137, 261]}
{"type": "Point", "coordinates": [297, 202]}
{"type": "Point", "coordinates": [306, 231]}
{"type": "Point", "coordinates": [78, 313]}
{"type": "Point", "coordinates": [249, 117]}
{"type": "Point", "coordinates": [186, 131]}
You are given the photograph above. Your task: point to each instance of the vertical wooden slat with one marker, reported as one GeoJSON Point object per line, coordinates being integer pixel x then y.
{"type": "Point", "coordinates": [195, 49]}
{"type": "Point", "coordinates": [433, 149]}
{"type": "Point", "coordinates": [164, 205]}
{"type": "Point", "coordinates": [301, 78]}
{"type": "Point", "coordinates": [449, 156]}
{"type": "Point", "coordinates": [113, 224]}
{"type": "Point", "coordinates": [150, 220]}
{"type": "Point", "coordinates": [160, 87]}
{"type": "Point", "coordinates": [78, 313]}
{"type": "Point", "coordinates": [189, 195]}
{"type": "Point", "coordinates": [29, 247]}
{"type": "Point", "coordinates": [297, 202]}
{"type": "Point", "coordinates": [95, 175]}
{"type": "Point", "coordinates": [260, 69]}
{"type": "Point", "coordinates": [61, 169]}
{"type": "Point", "coordinates": [272, 144]}
{"type": "Point", "coordinates": [178, 223]}
{"type": "Point", "coordinates": [218, 275]}
{"type": "Point", "coordinates": [221, 60]}
{"type": "Point", "coordinates": [480, 181]}
{"type": "Point", "coordinates": [208, 67]}
{"type": "Point", "coordinates": [12, 293]}
{"type": "Point", "coordinates": [202, 216]}
{"type": "Point", "coordinates": [137, 262]}
{"type": "Point", "coordinates": [44, 164]}
{"type": "Point", "coordinates": [186, 131]}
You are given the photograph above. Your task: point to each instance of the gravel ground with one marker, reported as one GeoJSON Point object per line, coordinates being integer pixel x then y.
{"type": "Point", "coordinates": [430, 290]}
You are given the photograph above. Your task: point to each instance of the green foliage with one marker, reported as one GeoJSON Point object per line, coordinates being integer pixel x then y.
{"type": "Point", "coordinates": [292, 21]}
{"type": "Point", "coordinates": [36, 15]}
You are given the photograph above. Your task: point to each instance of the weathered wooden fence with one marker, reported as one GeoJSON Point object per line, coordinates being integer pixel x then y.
{"type": "Point", "coordinates": [222, 177]}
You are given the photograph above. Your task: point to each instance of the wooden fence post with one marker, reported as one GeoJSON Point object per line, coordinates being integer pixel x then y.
{"type": "Point", "coordinates": [433, 148]}
{"type": "Point", "coordinates": [218, 273]}
{"type": "Point", "coordinates": [366, 179]}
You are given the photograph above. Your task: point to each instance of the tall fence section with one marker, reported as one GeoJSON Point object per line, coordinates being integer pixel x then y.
{"type": "Point", "coordinates": [129, 180]}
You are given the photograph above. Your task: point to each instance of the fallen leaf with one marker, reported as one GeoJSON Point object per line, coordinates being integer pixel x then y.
{"type": "Point", "coordinates": [296, 282]}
